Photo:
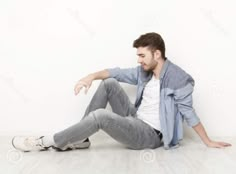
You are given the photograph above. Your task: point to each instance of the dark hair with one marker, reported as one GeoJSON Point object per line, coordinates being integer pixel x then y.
{"type": "Point", "coordinates": [153, 41]}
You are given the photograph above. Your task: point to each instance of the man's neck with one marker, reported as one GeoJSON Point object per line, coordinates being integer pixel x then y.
{"type": "Point", "coordinates": [157, 70]}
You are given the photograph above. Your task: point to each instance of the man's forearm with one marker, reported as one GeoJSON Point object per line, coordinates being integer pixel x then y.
{"type": "Point", "coordinates": [100, 75]}
{"type": "Point", "coordinates": [202, 133]}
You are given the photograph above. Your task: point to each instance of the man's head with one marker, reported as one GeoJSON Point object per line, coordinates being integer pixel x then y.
{"type": "Point", "coordinates": [150, 50]}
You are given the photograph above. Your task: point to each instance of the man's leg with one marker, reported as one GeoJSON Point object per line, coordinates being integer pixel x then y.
{"type": "Point", "coordinates": [110, 91]}
{"type": "Point", "coordinates": [121, 124]}
{"type": "Point", "coordinates": [130, 131]}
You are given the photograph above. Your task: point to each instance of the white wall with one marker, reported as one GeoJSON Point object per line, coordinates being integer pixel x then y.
{"type": "Point", "coordinates": [47, 45]}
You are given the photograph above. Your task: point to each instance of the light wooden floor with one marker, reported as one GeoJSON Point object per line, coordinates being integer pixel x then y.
{"type": "Point", "coordinates": [106, 156]}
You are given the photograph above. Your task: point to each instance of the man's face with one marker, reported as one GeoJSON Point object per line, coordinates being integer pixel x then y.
{"type": "Point", "coordinates": [146, 58]}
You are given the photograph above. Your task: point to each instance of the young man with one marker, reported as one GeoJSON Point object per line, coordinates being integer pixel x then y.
{"type": "Point", "coordinates": [164, 99]}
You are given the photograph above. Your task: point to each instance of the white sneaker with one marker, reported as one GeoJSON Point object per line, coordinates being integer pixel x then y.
{"type": "Point", "coordinates": [77, 145]}
{"type": "Point", "coordinates": [28, 144]}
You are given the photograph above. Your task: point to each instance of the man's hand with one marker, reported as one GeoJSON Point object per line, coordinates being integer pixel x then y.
{"type": "Point", "coordinates": [216, 144]}
{"type": "Point", "coordinates": [84, 82]}
{"type": "Point", "coordinates": [203, 135]}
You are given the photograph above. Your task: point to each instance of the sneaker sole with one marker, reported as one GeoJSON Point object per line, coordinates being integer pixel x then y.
{"type": "Point", "coordinates": [84, 145]}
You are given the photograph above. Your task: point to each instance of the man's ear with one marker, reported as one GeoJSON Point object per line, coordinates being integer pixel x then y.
{"type": "Point", "coordinates": [157, 55]}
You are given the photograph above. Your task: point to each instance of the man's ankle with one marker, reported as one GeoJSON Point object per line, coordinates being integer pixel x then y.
{"type": "Point", "coordinates": [48, 141]}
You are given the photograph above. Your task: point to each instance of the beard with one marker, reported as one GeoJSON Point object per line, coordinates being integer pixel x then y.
{"type": "Point", "coordinates": [150, 67]}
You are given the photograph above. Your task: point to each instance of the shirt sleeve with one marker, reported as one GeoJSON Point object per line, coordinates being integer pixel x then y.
{"type": "Point", "coordinates": [183, 99]}
{"type": "Point", "coordinates": [126, 75]}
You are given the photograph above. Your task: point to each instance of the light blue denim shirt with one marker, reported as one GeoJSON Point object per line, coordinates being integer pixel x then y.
{"type": "Point", "coordinates": [176, 87]}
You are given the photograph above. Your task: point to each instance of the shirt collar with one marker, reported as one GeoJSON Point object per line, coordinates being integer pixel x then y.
{"type": "Point", "coordinates": [164, 68]}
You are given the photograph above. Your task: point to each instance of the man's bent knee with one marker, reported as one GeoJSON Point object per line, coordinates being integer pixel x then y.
{"type": "Point", "coordinates": [109, 82]}
{"type": "Point", "coordinates": [102, 117]}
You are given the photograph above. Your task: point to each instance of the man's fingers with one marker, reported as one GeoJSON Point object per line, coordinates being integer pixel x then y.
{"type": "Point", "coordinates": [225, 144]}
{"type": "Point", "coordinates": [221, 144]}
{"type": "Point", "coordinates": [86, 90]}
{"type": "Point", "coordinates": [80, 85]}
{"type": "Point", "coordinates": [78, 88]}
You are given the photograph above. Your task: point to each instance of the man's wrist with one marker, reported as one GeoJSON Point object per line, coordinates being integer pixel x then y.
{"type": "Point", "coordinates": [208, 142]}
{"type": "Point", "coordinates": [92, 76]}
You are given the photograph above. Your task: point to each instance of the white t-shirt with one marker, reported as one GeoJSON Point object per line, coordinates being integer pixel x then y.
{"type": "Point", "coordinates": [148, 110]}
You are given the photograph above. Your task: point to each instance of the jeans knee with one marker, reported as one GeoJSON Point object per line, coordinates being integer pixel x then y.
{"type": "Point", "coordinates": [102, 117]}
{"type": "Point", "coordinates": [110, 82]}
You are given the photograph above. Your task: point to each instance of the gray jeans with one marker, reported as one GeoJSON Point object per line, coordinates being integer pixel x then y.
{"type": "Point", "coordinates": [121, 123]}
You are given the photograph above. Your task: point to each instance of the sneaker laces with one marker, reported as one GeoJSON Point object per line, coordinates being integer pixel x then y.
{"type": "Point", "coordinates": [32, 142]}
